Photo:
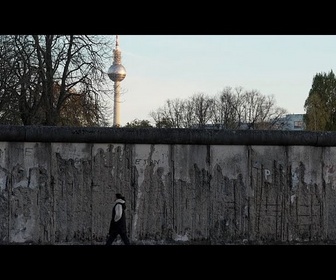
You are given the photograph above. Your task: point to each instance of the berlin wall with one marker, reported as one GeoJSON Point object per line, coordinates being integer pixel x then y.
{"type": "Point", "coordinates": [57, 185]}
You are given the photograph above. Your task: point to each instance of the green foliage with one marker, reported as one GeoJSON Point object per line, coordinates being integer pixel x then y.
{"type": "Point", "coordinates": [320, 105]}
{"type": "Point", "coordinates": [136, 123]}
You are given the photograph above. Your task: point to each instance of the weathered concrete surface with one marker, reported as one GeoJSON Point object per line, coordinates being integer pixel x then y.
{"type": "Point", "coordinates": [213, 186]}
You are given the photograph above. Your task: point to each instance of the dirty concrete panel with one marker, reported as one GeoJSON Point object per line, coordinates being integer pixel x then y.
{"type": "Point", "coordinates": [72, 213]}
{"type": "Point", "coordinates": [229, 214]}
{"type": "Point", "coordinates": [37, 158]}
{"type": "Point", "coordinates": [153, 194]}
{"type": "Point", "coordinates": [5, 176]}
{"type": "Point", "coordinates": [191, 191]}
{"type": "Point", "coordinates": [111, 174]}
{"type": "Point", "coordinates": [127, 188]}
{"type": "Point", "coordinates": [329, 183]}
{"type": "Point", "coordinates": [30, 200]}
{"type": "Point", "coordinates": [271, 199]}
{"type": "Point", "coordinates": [102, 188]}
{"type": "Point", "coordinates": [307, 207]}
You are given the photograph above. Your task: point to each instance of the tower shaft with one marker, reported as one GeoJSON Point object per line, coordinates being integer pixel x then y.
{"type": "Point", "coordinates": [116, 109]}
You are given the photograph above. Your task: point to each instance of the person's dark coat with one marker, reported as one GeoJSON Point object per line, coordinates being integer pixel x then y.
{"type": "Point", "coordinates": [118, 221]}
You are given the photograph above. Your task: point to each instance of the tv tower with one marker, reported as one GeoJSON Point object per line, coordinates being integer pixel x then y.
{"type": "Point", "coordinates": [116, 73]}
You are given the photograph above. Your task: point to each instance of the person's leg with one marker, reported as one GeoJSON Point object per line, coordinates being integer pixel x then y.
{"type": "Point", "coordinates": [112, 236]}
{"type": "Point", "coordinates": [124, 237]}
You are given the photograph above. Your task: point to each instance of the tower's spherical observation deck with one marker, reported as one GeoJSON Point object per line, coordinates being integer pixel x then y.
{"type": "Point", "coordinates": [116, 72]}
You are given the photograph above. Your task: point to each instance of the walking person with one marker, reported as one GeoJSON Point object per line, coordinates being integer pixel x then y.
{"type": "Point", "coordinates": [118, 221]}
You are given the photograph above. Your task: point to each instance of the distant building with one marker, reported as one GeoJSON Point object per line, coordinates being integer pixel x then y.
{"type": "Point", "coordinates": [292, 122]}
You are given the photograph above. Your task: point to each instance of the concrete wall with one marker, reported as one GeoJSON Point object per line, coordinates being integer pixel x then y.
{"type": "Point", "coordinates": [57, 185]}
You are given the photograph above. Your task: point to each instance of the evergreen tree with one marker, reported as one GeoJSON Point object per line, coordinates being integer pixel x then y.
{"type": "Point", "coordinates": [320, 106]}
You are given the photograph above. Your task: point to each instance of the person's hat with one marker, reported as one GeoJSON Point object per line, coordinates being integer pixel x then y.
{"type": "Point", "coordinates": [119, 195]}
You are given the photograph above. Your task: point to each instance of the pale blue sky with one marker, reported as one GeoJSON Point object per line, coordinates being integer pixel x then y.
{"type": "Point", "coordinates": [162, 67]}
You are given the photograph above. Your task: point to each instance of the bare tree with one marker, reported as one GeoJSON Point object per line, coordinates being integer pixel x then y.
{"type": "Point", "coordinates": [178, 113]}
{"type": "Point", "coordinates": [202, 109]}
{"type": "Point", "coordinates": [8, 83]}
{"type": "Point", "coordinates": [52, 72]}
{"type": "Point", "coordinates": [172, 113]}
{"type": "Point", "coordinates": [227, 111]}
{"type": "Point", "coordinates": [231, 109]}
{"type": "Point", "coordinates": [261, 111]}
